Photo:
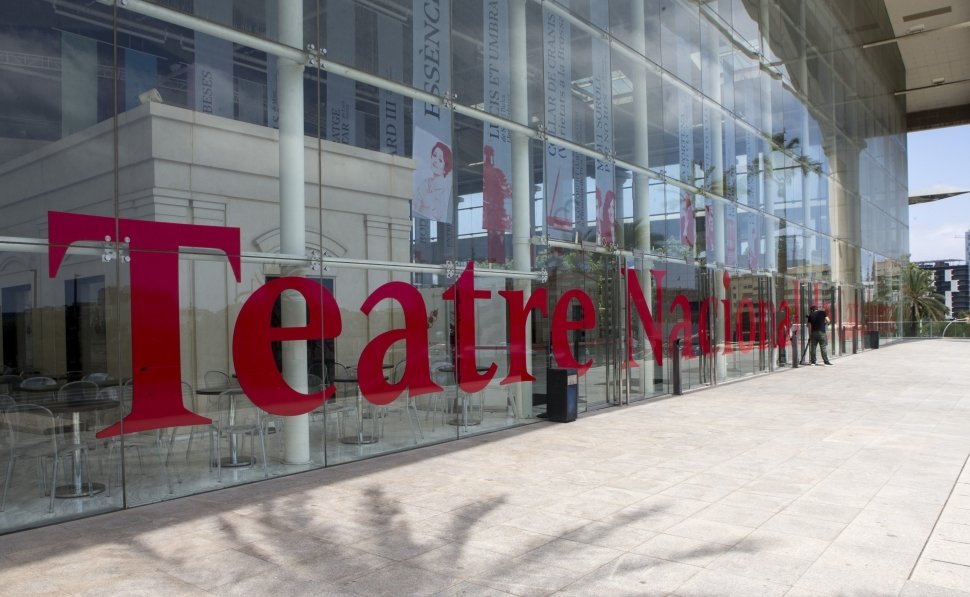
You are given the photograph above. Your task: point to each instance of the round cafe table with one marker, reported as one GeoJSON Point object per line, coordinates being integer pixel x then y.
{"type": "Point", "coordinates": [78, 487]}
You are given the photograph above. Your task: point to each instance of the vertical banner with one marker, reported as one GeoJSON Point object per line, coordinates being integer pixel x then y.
{"type": "Point", "coordinates": [581, 190]}
{"type": "Point", "coordinates": [685, 150]}
{"type": "Point", "coordinates": [272, 62]}
{"type": "Point", "coordinates": [341, 117]}
{"type": "Point", "coordinates": [756, 167]}
{"type": "Point", "coordinates": [603, 127]}
{"type": "Point", "coordinates": [497, 142]}
{"type": "Point", "coordinates": [688, 224]}
{"type": "Point", "coordinates": [730, 174]}
{"type": "Point", "coordinates": [212, 84]}
{"type": "Point", "coordinates": [707, 122]}
{"type": "Point", "coordinates": [557, 70]}
{"type": "Point", "coordinates": [79, 83]}
{"type": "Point", "coordinates": [390, 56]}
{"type": "Point", "coordinates": [686, 154]}
{"type": "Point", "coordinates": [432, 186]}
{"type": "Point", "coordinates": [710, 240]}
{"type": "Point", "coordinates": [754, 243]}
{"type": "Point", "coordinates": [731, 235]}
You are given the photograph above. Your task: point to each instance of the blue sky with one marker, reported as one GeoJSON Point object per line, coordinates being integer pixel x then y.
{"type": "Point", "coordinates": [939, 158]}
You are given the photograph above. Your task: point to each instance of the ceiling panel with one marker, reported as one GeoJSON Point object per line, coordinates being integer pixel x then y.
{"type": "Point", "coordinates": [934, 42]}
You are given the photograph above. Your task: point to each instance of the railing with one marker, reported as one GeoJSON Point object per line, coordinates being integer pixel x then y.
{"type": "Point", "coordinates": [951, 328]}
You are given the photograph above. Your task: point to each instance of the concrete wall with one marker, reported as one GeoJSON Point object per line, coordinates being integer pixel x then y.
{"type": "Point", "coordinates": [177, 165]}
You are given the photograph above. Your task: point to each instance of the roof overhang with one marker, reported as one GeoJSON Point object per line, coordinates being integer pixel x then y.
{"type": "Point", "coordinates": [933, 37]}
{"type": "Point", "coordinates": [935, 194]}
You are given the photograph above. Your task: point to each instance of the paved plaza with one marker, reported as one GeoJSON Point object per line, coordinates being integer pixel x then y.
{"type": "Point", "coordinates": [842, 480]}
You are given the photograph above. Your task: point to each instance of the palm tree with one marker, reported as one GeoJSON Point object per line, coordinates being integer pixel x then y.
{"type": "Point", "coordinates": [920, 300]}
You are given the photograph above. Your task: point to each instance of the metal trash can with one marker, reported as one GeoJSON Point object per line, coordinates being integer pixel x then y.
{"type": "Point", "coordinates": [561, 395]}
{"type": "Point", "coordinates": [874, 339]}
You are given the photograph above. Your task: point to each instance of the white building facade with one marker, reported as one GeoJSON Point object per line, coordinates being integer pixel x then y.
{"type": "Point", "coordinates": [420, 213]}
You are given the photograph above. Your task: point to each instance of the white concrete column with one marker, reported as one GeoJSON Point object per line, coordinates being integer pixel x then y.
{"type": "Point", "coordinates": [716, 132]}
{"type": "Point", "coordinates": [768, 187]}
{"type": "Point", "coordinates": [521, 181]}
{"type": "Point", "coordinates": [641, 182]}
{"type": "Point", "coordinates": [293, 220]}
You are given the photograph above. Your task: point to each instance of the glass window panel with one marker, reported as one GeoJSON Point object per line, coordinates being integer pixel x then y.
{"type": "Point", "coordinates": [255, 17]}
{"type": "Point", "coordinates": [680, 36]}
{"type": "Point", "coordinates": [638, 29]}
{"type": "Point", "coordinates": [56, 146]}
{"type": "Point", "coordinates": [62, 367]}
{"type": "Point", "coordinates": [746, 23]}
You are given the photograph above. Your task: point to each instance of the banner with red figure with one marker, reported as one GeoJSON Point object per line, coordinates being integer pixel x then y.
{"type": "Point", "coordinates": [497, 144]}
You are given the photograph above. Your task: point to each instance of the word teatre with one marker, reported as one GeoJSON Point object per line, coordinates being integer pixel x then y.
{"type": "Point", "coordinates": [157, 399]}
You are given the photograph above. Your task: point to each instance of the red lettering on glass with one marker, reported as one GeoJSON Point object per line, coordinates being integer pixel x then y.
{"type": "Point", "coordinates": [417, 372]}
{"type": "Point", "coordinates": [726, 280]}
{"type": "Point", "coordinates": [519, 311]}
{"type": "Point", "coordinates": [463, 293]}
{"type": "Point", "coordinates": [253, 338]}
{"type": "Point", "coordinates": [783, 326]}
{"type": "Point", "coordinates": [650, 326]}
{"type": "Point", "coordinates": [562, 325]}
{"type": "Point", "coordinates": [157, 401]}
{"type": "Point", "coordinates": [683, 327]}
{"type": "Point", "coordinates": [764, 313]}
{"type": "Point", "coordinates": [708, 306]}
{"type": "Point", "coordinates": [746, 333]}
{"type": "Point", "coordinates": [155, 355]}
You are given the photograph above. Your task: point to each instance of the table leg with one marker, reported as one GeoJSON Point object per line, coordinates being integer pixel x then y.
{"type": "Point", "coordinates": [361, 438]}
{"type": "Point", "coordinates": [461, 417]}
{"type": "Point", "coordinates": [78, 488]}
{"type": "Point", "coordinates": [233, 459]}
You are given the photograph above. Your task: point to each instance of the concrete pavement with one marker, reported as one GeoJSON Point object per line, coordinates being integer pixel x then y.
{"type": "Point", "coordinates": [843, 480]}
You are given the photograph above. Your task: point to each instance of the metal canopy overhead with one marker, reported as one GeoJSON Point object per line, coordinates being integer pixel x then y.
{"type": "Point", "coordinates": [935, 195]}
{"type": "Point", "coordinates": [933, 37]}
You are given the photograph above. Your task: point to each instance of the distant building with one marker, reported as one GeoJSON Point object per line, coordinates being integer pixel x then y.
{"type": "Point", "coordinates": [952, 277]}
{"type": "Point", "coordinates": [966, 238]}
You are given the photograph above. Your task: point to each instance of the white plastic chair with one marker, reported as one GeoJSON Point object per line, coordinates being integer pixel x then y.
{"type": "Point", "coordinates": [405, 400]}
{"type": "Point", "coordinates": [150, 440]}
{"type": "Point", "coordinates": [236, 415]}
{"type": "Point", "coordinates": [30, 431]}
{"type": "Point", "coordinates": [216, 379]}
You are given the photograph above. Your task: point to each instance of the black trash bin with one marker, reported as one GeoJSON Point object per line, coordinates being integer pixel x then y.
{"type": "Point", "coordinates": [561, 391]}
{"type": "Point", "coordinates": [873, 339]}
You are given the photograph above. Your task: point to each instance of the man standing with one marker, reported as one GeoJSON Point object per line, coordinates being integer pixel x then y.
{"type": "Point", "coordinates": [817, 319]}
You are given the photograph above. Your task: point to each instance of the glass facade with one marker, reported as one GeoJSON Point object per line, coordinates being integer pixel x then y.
{"type": "Point", "coordinates": [246, 238]}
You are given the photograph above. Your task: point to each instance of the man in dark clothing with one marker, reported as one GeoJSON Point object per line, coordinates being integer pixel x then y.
{"type": "Point", "coordinates": [817, 319]}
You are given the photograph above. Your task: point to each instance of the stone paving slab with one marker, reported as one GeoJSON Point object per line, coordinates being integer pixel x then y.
{"type": "Point", "coordinates": [820, 481]}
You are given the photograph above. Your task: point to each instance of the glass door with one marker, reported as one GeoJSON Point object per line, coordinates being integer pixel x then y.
{"type": "Point", "coordinates": [597, 276]}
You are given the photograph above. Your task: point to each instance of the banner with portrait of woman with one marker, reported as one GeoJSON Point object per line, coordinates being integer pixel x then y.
{"type": "Point", "coordinates": [432, 178]}
{"type": "Point", "coordinates": [432, 198]}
